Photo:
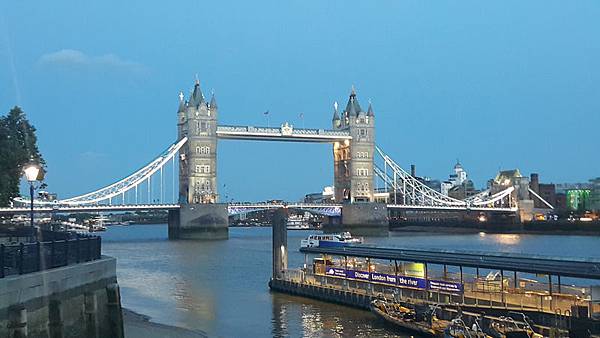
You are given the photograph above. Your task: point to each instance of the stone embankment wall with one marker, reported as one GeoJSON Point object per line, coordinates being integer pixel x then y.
{"type": "Point", "coordinates": [80, 300]}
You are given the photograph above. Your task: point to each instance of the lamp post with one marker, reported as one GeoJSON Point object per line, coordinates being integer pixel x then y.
{"type": "Point", "coordinates": [31, 173]}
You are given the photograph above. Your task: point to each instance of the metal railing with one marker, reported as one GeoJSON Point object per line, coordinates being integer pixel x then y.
{"type": "Point", "coordinates": [23, 258]}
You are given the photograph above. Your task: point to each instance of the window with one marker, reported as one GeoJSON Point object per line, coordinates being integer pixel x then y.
{"type": "Point", "coordinates": [205, 150]}
{"type": "Point", "coordinates": [202, 169]}
{"type": "Point", "coordinates": [362, 154]}
{"type": "Point", "coordinates": [362, 172]}
{"type": "Point", "coordinates": [363, 132]}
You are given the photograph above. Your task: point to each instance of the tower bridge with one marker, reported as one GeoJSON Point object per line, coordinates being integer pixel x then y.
{"type": "Point", "coordinates": [358, 165]}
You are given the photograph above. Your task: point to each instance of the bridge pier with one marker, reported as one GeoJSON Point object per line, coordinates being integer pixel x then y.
{"type": "Point", "coordinates": [199, 221]}
{"type": "Point", "coordinates": [280, 247]}
{"type": "Point", "coordinates": [366, 219]}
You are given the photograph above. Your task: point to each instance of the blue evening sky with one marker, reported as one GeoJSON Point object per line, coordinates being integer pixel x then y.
{"type": "Point", "coordinates": [497, 84]}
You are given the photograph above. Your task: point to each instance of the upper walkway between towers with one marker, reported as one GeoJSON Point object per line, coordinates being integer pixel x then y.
{"type": "Point", "coordinates": [284, 133]}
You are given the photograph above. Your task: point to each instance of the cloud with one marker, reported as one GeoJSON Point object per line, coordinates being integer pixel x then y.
{"type": "Point", "coordinates": [73, 57]}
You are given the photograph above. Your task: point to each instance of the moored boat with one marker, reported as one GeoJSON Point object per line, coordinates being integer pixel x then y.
{"type": "Point", "coordinates": [423, 323]}
{"type": "Point", "coordinates": [422, 320]}
{"type": "Point", "coordinates": [330, 240]}
{"type": "Point", "coordinates": [507, 327]}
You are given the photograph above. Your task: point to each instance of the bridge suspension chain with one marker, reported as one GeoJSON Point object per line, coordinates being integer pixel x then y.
{"type": "Point", "coordinates": [128, 183]}
{"type": "Point", "coordinates": [415, 192]}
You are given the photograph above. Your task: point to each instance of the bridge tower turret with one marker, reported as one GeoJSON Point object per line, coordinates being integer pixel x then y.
{"type": "Point", "coordinates": [198, 164]}
{"type": "Point", "coordinates": [353, 160]}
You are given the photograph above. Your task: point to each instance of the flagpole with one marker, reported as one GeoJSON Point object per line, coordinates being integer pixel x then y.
{"type": "Point", "coordinates": [267, 116]}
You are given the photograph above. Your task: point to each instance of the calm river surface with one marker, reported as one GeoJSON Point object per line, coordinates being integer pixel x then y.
{"type": "Point", "coordinates": [220, 287]}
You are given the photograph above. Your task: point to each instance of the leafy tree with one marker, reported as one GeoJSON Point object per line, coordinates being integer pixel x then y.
{"type": "Point", "coordinates": [18, 146]}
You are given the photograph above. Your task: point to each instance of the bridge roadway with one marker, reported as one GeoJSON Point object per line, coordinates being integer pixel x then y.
{"type": "Point", "coordinates": [284, 133]}
{"type": "Point", "coordinates": [587, 268]}
{"type": "Point", "coordinates": [328, 209]}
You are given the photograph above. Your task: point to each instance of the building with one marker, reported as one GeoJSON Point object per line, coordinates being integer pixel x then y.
{"type": "Point", "coordinates": [353, 160]}
{"type": "Point", "coordinates": [547, 191]}
{"type": "Point", "coordinates": [455, 180]}
{"type": "Point", "coordinates": [463, 190]}
{"type": "Point", "coordinates": [326, 196]}
{"type": "Point", "coordinates": [578, 200]}
{"type": "Point", "coordinates": [595, 195]}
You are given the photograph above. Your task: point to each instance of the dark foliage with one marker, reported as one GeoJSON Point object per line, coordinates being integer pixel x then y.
{"type": "Point", "coordinates": [18, 147]}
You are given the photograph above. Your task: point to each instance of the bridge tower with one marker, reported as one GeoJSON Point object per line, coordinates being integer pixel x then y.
{"type": "Point", "coordinates": [200, 216]}
{"type": "Point", "coordinates": [353, 160]}
{"type": "Point", "coordinates": [353, 171]}
{"type": "Point", "coordinates": [198, 160]}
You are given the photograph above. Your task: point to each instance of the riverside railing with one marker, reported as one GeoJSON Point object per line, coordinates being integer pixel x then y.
{"type": "Point", "coordinates": [18, 259]}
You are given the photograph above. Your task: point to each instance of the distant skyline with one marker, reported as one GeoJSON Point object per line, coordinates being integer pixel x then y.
{"type": "Point", "coordinates": [498, 85]}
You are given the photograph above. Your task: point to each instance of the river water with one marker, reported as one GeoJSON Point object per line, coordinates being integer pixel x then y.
{"type": "Point", "coordinates": [220, 287]}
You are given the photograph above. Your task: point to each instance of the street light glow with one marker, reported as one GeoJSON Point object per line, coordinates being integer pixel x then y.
{"type": "Point", "coordinates": [32, 172]}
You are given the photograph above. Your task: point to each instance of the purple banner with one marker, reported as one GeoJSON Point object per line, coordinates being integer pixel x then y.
{"type": "Point", "coordinates": [445, 286]}
{"type": "Point", "coordinates": [403, 281]}
{"type": "Point", "coordinates": [336, 272]}
{"type": "Point", "coordinates": [357, 274]}
{"type": "Point", "coordinates": [383, 278]}
{"type": "Point", "coordinates": [412, 282]}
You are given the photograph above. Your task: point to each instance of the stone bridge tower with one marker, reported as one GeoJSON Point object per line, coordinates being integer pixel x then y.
{"type": "Point", "coordinates": [197, 119]}
{"type": "Point", "coordinates": [199, 215]}
{"type": "Point", "coordinates": [353, 160]}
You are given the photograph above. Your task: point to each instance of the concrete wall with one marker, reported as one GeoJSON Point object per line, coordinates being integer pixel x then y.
{"type": "Point", "coordinates": [77, 294]}
{"type": "Point", "coordinates": [372, 214]}
{"type": "Point", "coordinates": [365, 219]}
{"type": "Point", "coordinates": [199, 221]}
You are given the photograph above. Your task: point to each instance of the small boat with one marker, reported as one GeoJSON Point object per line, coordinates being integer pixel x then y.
{"type": "Point", "coordinates": [422, 320]}
{"type": "Point", "coordinates": [423, 323]}
{"type": "Point", "coordinates": [330, 240]}
{"type": "Point", "coordinates": [459, 329]}
{"type": "Point", "coordinates": [507, 327]}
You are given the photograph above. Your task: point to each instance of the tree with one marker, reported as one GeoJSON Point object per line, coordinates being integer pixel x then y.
{"type": "Point", "coordinates": [18, 146]}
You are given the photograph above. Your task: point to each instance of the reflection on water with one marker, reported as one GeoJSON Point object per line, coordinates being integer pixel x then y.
{"type": "Point", "coordinates": [220, 287]}
{"type": "Point", "coordinates": [508, 239]}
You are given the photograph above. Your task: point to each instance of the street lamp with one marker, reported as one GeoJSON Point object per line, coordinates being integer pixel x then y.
{"type": "Point", "coordinates": [31, 173]}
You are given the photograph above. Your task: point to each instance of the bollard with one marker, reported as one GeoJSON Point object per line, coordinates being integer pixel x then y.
{"type": "Point", "coordinates": [17, 321]}
{"type": "Point", "coordinates": [115, 313]}
{"type": "Point", "coordinates": [55, 319]}
{"type": "Point", "coordinates": [91, 314]}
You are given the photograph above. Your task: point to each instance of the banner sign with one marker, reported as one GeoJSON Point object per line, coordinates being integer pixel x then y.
{"type": "Point", "coordinates": [383, 278]}
{"type": "Point", "coordinates": [337, 272]}
{"type": "Point", "coordinates": [357, 274]}
{"type": "Point", "coordinates": [444, 286]}
{"type": "Point", "coordinates": [403, 281]}
{"type": "Point", "coordinates": [412, 282]}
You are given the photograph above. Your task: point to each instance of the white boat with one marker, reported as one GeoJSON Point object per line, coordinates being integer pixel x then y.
{"type": "Point", "coordinates": [297, 223]}
{"type": "Point", "coordinates": [330, 240]}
